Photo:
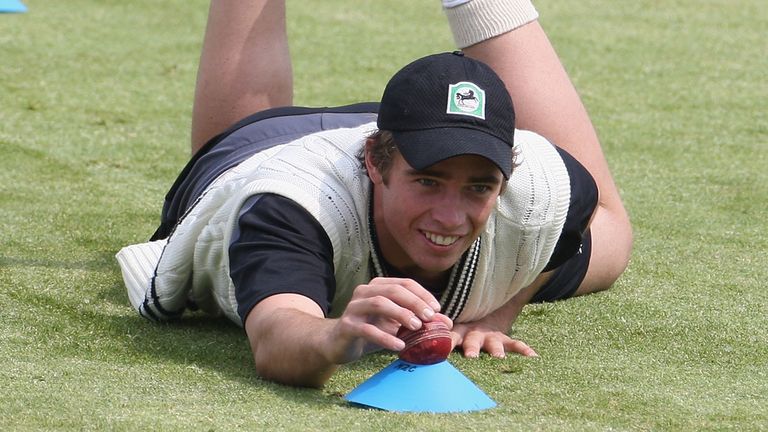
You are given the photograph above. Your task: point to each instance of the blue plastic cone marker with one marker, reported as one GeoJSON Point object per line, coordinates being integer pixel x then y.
{"type": "Point", "coordinates": [12, 6]}
{"type": "Point", "coordinates": [406, 387]}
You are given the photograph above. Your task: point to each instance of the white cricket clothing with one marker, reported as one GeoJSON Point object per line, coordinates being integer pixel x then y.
{"type": "Point", "coordinates": [474, 21]}
{"type": "Point", "coordinates": [321, 173]}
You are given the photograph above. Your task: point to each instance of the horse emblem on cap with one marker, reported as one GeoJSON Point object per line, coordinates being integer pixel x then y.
{"type": "Point", "coordinates": [465, 98]}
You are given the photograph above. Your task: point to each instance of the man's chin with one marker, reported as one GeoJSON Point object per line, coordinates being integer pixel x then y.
{"type": "Point", "coordinates": [436, 268]}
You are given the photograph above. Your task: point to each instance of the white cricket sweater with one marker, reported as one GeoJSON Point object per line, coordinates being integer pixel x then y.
{"type": "Point", "coordinates": [321, 173]}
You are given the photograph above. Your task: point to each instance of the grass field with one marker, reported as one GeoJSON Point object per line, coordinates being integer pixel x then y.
{"type": "Point", "coordinates": [95, 104]}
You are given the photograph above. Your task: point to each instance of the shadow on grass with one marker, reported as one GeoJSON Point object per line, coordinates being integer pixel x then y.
{"type": "Point", "coordinates": [10, 262]}
{"type": "Point", "coordinates": [95, 321]}
{"type": "Point", "coordinates": [89, 320]}
{"type": "Point", "coordinates": [77, 310]}
{"type": "Point", "coordinates": [200, 341]}
{"type": "Point", "coordinates": [212, 344]}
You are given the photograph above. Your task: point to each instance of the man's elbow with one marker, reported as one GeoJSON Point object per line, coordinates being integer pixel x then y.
{"type": "Point", "coordinates": [612, 242]}
{"type": "Point", "coordinates": [295, 374]}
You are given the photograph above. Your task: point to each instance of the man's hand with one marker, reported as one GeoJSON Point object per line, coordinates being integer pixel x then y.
{"type": "Point", "coordinates": [489, 334]}
{"type": "Point", "coordinates": [293, 343]}
{"type": "Point", "coordinates": [375, 313]}
{"type": "Point", "coordinates": [476, 337]}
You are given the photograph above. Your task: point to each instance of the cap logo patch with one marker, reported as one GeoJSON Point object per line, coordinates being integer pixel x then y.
{"type": "Point", "coordinates": [465, 98]}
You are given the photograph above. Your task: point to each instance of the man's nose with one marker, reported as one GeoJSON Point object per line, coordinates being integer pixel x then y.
{"type": "Point", "coordinates": [448, 211]}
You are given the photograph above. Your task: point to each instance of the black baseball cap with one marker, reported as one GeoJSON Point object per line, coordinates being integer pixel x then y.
{"type": "Point", "coordinates": [446, 105]}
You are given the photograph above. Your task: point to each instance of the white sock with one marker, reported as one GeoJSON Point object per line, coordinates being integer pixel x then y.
{"type": "Point", "coordinates": [474, 21]}
{"type": "Point", "coordinates": [453, 3]}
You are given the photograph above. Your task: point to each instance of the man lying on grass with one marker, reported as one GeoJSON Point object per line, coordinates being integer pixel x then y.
{"type": "Point", "coordinates": [323, 231]}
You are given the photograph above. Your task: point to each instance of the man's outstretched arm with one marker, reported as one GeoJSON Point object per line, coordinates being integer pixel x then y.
{"type": "Point", "coordinates": [292, 343]}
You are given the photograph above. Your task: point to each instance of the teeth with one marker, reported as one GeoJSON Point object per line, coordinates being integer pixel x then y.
{"type": "Point", "coordinates": [441, 240]}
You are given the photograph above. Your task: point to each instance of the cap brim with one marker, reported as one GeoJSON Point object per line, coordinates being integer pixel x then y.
{"type": "Point", "coordinates": [426, 147]}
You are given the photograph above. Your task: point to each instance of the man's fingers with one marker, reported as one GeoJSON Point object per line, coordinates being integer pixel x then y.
{"type": "Point", "coordinates": [353, 337]}
{"type": "Point", "coordinates": [519, 347]}
{"type": "Point", "coordinates": [373, 334]}
{"type": "Point", "coordinates": [379, 309]}
{"type": "Point", "coordinates": [496, 344]}
{"type": "Point", "coordinates": [456, 339]}
{"type": "Point", "coordinates": [440, 317]}
{"type": "Point", "coordinates": [472, 343]}
{"type": "Point", "coordinates": [404, 293]}
{"type": "Point", "coordinates": [419, 291]}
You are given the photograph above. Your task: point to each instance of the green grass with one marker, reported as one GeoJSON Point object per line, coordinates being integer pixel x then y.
{"type": "Point", "coordinates": [95, 103]}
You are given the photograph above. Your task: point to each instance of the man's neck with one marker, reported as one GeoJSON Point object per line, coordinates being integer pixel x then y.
{"type": "Point", "coordinates": [434, 283]}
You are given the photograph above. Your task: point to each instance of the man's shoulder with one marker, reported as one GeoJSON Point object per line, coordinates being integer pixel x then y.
{"type": "Point", "coordinates": [535, 152]}
{"type": "Point", "coordinates": [539, 185]}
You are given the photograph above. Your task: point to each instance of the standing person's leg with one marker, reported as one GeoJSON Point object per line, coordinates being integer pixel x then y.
{"type": "Point", "coordinates": [245, 65]}
{"type": "Point", "coordinates": [547, 102]}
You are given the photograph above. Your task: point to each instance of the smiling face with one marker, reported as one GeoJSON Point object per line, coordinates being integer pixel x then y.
{"type": "Point", "coordinates": [426, 219]}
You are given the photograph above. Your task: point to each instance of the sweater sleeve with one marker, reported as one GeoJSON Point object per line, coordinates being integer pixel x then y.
{"type": "Point", "coordinates": [278, 247]}
{"type": "Point", "coordinates": [584, 196]}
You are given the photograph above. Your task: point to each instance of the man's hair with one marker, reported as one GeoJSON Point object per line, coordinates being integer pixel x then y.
{"type": "Point", "coordinates": [384, 149]}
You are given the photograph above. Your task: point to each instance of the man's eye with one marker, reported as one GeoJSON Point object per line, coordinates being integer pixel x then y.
{"type": "Point", "coordinates": [481, 188]}
{"type": "Point", "coordinates": [426, 182]}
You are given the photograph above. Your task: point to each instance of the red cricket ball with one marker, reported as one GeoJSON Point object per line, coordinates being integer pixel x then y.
{"type": "Point", "coordinates": [428, 345]}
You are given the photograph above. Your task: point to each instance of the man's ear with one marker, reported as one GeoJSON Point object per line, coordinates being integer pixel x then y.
{"type": "Point", "coordinates": [373, 172]}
